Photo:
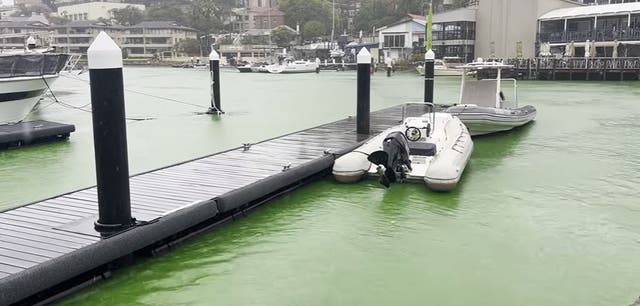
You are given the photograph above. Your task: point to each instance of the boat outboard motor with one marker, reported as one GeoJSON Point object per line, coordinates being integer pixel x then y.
{"type": "Point", "coordinates": [31, 43]}
{"type": "Point", "coordinates": [394, 157]}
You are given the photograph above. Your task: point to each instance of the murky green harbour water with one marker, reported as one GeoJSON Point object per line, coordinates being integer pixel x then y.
{"type": "Point", "coordinates": [547, 215]}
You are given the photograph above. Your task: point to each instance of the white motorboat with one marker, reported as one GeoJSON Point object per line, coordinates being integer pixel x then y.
{"type": "Point", "coordinates": [482, 105]}
{"type": "Point", "coordinates": [23, 79]}
{"type": "Point", "coordinates": [245, 68]}
{"type": "Point", "coordinates": [441, 68]}
{"type": "Point", "coordinates": [293, 67]}
{"type": "Point", "coordinates": [433, 148]}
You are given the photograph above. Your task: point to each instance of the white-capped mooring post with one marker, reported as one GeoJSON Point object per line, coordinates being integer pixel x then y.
{"type": "Point", "coordinates": [429, 64]}
{"type": "Point", "coordinates": [214, 69]}
{"type": "Point", "coordinates": [109, 135]}
{"type": "Point", "coordinates": [364, 91]}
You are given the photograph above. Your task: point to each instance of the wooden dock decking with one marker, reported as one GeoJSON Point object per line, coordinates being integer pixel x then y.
{"type": "Point", "coordinates": [48, 243]}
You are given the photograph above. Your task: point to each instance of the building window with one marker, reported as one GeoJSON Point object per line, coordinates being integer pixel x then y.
{"type": "Point", "coordinates": [394, 41]}
{"type": "Point", "coordinates": [259, 3]}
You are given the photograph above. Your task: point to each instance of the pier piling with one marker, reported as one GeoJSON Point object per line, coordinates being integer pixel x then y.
{"type": "Point", "coordinates": [364, 92]}
{"type": "Point", "coordinates": [429, 63]}
{"type": "Point", "coordinates": [214, 68]}
{"type": "Point", "coordinates": [109, 135]}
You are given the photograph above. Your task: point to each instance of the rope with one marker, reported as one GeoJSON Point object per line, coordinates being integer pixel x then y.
{"type": "Point", "coordinates": [80, 108]}
{"type": "Point", "coordinates": [144, 94]}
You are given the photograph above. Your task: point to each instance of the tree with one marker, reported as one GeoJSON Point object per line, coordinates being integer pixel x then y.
{"type": "Point", "coordinates": [129, 15]}
{"type": "Point", "coordinates": [299, 12]}
{"type": "Point", "coordinates": [281, 36]}
{"type": "Point", "coordinates": [165, 13]}
{"type": "Point", "coordinates": [313, 28]}
{"type": "Point", "coordinates": [205, 16]}
{"type": "Point", "coordinates": [58, 20]}
{"type": "Point", "coordinates": [189, 46]}
{"type": "Point", "coordinates": [27, 10]}
{"type": "Point", "coordinates": [374, 13]}
{"type": "Point", "coordinates": [404, 7]}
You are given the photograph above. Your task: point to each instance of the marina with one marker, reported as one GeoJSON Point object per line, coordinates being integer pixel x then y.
{"type": "Point", "coordinates": [55, 247]}
{"type": "Point", "coordinates": [409, 213]}
{"type": "Point", "coordinates": [526, 213]}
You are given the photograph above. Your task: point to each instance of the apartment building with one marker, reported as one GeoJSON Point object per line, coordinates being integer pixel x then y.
{"type": "Point", "coordinates": [256, 14]}
{"type": "Point", "coordinates": [13, 34]}
{"type": "Point", "coordinates": [147, 39]}
{"type": "Point", "coordinates": [93, 10]}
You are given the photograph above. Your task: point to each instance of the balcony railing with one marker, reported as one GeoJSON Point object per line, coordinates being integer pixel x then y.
{"type": "Point", "coordinates": [576, 63]}
{"type": "Point", "coordinates": [624, 34]}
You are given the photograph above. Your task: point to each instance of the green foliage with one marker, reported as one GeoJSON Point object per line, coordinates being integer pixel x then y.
{"type": "Point", "coordinates": [58, 20]}
{"type": "Point", "coordinates": [375, 13]}
{"type": "Point", "coordinates": [129, 15]}
{"type": "Point", "coordinates": [313, 29]}
{"type": "Point", "coordinates": [205, 16]}
{"type": "Point", "coordinates": [378, 13]}
{"type": "Point", "coordinates": [27, 10]}
{"type": "Point", "coordinates": [255, 40]}
{"type": "Point", "coordinates": [166, 13]}
{"type": "Point", "coordinates": [282, 37]}
{"type": "Point", "coordinates": [189, 46]}
{"type": "Point", "coordinates": [299, 12]}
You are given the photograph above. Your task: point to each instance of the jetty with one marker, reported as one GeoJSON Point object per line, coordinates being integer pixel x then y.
{"type": "Point", "coordinates": [53, 247]}
{"type": "Point", "coordinates": [574, 68]}
{"type": "Point", "coordinates": [50, 246]}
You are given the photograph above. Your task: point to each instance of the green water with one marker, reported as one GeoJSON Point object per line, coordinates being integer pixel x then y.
{"type": "Point", "coordinates": [547, 215]}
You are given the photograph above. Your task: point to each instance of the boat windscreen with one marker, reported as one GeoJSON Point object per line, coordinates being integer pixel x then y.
{"type": "Point", "coordinates": [479, 92]}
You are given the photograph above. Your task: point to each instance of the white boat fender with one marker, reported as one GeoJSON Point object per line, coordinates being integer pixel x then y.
{"type": "Point", "coordinates": [351, 167]}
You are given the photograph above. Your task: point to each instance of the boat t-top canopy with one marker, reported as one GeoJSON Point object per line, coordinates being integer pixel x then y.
{"type": "Point", "coordinates": [486, 92]}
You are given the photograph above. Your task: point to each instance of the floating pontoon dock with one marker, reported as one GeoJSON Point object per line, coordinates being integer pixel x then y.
{"type": "Point", "coordinates": [29, 132]}
{"type": "Point", "coordinates": [50, 247]}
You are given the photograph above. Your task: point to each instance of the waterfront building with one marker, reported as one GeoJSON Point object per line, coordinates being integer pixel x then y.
{"type": "Point", "coordinates": [486, 28]}
{"type": "Point", "coordinates": [256, 14]}
{"type": "Point", "coordinates": [93, 10]}
{"type": "Point", "coordinates": [13, 34]}
{"type": "Point", "coordinates": [252, 46]}
{"type": "Point", "coordinates": [605, 27]}
{"type": "Point", "coordinates": [147, 39]}
{"type": "Point", "coordinates": [507, 28]}
{"type": "Point", "coordinates": [453, 35]}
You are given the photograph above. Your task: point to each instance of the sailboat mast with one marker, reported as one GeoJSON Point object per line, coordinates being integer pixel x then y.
{"type": "Point", "coordinates": [429, 27]}
{"type": "Point", "coordinates": [333, 21]}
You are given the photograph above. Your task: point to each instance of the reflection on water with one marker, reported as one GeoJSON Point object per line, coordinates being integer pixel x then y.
{"type": "Point", "coordinates": [545, 215]}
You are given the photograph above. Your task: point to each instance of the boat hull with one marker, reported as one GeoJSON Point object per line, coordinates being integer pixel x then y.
{"type": "Point", "coordinates": [440, 172]}
{"type": "Point", "coordinates": [292, 68]}
{"type": "Point", "coordinates": [19, 95]}
{"type": "Point", "coordinates": [245, 69]}
{"type": "Point", "coordinates": [488, 120]}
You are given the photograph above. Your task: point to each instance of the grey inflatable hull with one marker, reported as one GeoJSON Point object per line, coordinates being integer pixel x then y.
{"type": "Point", "coordinates": [486, 120]}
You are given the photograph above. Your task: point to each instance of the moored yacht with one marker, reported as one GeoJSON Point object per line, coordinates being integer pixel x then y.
{"type": "Point", "coordinates": [294, 67]}
{"type": "Point", "coordinates": [24, 77]}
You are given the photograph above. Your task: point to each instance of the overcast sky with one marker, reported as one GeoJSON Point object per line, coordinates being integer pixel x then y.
{"type": "Point", "coordinates": [7, 2]}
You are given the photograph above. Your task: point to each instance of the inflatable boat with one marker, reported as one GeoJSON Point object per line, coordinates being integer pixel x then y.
{"type": "Point", "coordinates": [433, 148]}
{"type": "Point", "coordinates": [482, 106]}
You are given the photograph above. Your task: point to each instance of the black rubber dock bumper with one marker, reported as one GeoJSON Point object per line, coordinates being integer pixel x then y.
{"type": "Point", "coordinates": [31, 132]}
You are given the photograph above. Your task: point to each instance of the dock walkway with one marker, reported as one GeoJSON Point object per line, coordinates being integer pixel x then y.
{"type": "Point", "coordinates": [51, 246]}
